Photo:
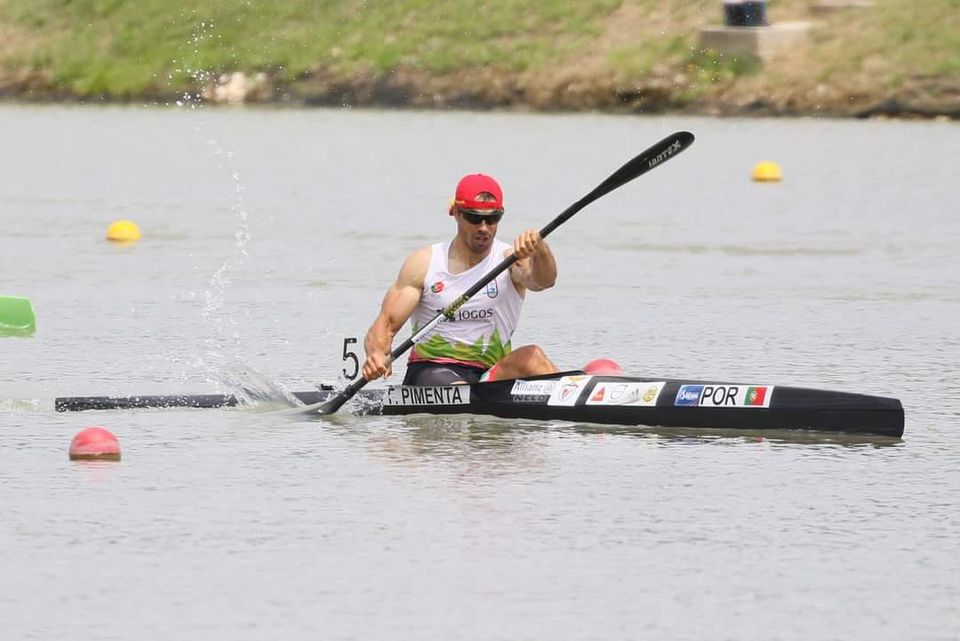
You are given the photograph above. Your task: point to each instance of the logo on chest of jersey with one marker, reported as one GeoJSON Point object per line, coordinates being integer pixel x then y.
{"type": "Point", "coordinates": [471, 314]}
{"type": "Point", "coordinates": [492, 289]}
{"type": "Point", "coordinates": [437, 287]}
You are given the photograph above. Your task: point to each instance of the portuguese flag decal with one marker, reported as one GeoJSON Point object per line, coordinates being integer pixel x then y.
{"type": "Point", "coordinates": [755, 396]}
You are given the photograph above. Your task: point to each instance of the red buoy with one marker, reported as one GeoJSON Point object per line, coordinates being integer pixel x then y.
{"type": "Point", "coordinates": [603, 367]}
{"type": "Point", "coordinates": [94, 443]}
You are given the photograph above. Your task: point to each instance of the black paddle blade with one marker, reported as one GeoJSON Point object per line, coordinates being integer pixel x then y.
{"type": "Point", "coordinates": [333, 404]}
{"type": "Point", "coordinates": [644, 162]}
{"type": "Point", "coordinates": [327, 407]}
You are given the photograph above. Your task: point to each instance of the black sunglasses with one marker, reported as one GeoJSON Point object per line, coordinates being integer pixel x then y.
{"type": "Point", "coordinates": [476, 219]}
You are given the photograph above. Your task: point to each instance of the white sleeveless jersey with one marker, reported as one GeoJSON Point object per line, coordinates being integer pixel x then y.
{"type": "Point", "coordinates": [479, 334]}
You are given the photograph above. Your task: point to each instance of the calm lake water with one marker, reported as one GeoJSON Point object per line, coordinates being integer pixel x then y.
{"type": "Point", "coordinates": [270, 237]}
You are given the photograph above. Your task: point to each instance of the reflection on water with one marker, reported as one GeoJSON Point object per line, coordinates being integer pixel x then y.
{"type": "Point", "coordinates": [501, 444]}
{"type": "Point", "coordinates": [774, 437]}
{"type": "Point", "coordinates": [488, 447]}
{"type": "Point", "coordinates": [95, 471]}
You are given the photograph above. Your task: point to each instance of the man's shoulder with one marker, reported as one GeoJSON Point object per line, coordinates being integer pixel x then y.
{"type": "Point", "coordinates": [415, 266]}
{"type": "Point", "coordinates": [421, 254]}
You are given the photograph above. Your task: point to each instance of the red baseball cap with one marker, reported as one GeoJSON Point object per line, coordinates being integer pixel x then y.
{"type": "Point", "coordinates": [472, 185]}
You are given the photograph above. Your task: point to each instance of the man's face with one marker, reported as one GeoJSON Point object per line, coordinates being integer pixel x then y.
{"type": "Point", "coordinates": [476, 230]}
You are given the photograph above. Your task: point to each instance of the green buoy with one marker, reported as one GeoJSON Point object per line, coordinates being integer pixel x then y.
{"type": "Point", "coordinates": [16, 316]}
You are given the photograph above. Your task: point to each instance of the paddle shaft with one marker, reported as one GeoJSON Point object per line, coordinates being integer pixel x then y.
{"type": "Point", "coordinates": [636, 167]}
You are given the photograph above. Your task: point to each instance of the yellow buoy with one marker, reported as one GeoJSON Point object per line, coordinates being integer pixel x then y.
{"type": "Point", "coordinates": [123, 230]}
{"type": "Point", "coordinates": [767, 171]}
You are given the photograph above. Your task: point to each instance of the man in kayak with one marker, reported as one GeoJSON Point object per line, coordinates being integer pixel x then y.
{"type": "Point", "coordinates": [475, 344]}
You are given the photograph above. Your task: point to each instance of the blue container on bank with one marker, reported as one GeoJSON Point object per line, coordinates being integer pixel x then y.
{"type": "Point", "coordinates": [749, 13]}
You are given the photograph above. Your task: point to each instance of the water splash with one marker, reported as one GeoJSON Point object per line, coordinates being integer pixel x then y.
{"type": "Point", "coordinates": [221, 360]}
{"type": "Point", "coordinates": [12, 405]}
{"type": "Point", "coordinates": [202, 32]}
{"type": "Point", "coordinates": [241, 379]}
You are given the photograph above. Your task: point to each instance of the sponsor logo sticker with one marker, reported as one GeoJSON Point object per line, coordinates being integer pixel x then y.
{"type": "Point", "coordinates": [652, 393]}
{"type": "Point", "coordinates": [474, 314]}
{"type": "Point", "coordinates": [407, 395]}
{"type": "Point", "coordinates": [532, 391]}
{"type": "Point", "coordinates": [533, 388]}
{"type": "Point", "coordinates": [568, 390]}
{"type": "Point", "coordinates": [643, 394]}
{"type": "Point", "coordinates": [688, 396]}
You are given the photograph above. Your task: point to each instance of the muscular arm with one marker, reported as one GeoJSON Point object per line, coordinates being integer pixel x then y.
{"type": "Point", "coordinates": [536, 268]}
{"type": "Point", "coordinates": [398, 303]}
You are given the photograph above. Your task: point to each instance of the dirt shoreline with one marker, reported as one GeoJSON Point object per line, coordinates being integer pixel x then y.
{"type": "Point", "coordinates": [492, 89]}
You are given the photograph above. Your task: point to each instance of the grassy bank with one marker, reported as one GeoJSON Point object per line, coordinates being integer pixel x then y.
{"type": "Point", "coordinates": [550, 54]}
